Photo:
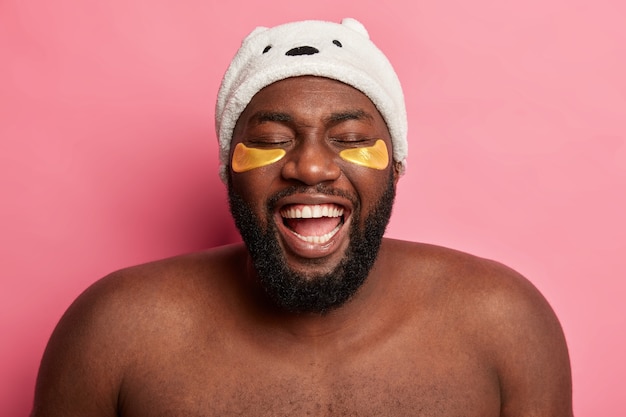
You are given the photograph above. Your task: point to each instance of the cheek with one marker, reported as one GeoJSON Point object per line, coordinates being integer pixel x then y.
{"type": "Point", "coordinates": [376, 157]}
{"type": "Point", "coordinates": [245, 159]}
{"type": "Point", "coordinates": [253, 187]}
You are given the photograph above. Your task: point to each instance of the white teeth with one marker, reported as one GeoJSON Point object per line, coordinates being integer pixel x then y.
{"type": "Point", "coordinates": [319, 239]}
{"type": "Point", "coordinates": [312, 212]}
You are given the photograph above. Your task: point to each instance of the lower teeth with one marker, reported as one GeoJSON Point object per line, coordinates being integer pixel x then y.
{"type": "Point", "coordinates": [319, 239]}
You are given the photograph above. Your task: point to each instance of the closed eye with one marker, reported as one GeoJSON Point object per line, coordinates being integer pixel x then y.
{"type": "Point", "coordinates": [353, 141]}
{"type": "Point", "coordinates": [268, 142]}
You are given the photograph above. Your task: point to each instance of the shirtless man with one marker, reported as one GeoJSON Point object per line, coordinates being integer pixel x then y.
{"type": "Point", "coordinates": [316, 314]}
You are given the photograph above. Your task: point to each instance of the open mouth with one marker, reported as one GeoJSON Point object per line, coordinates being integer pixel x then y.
{"type": "Point", "coordinates": [316, 223]}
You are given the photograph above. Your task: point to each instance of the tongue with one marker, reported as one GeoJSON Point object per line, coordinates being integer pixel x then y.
{"type": "Point", "coordinates": [313, 227]}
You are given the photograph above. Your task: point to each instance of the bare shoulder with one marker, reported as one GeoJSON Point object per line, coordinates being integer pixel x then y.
{"type": "Point", "coordinates": [124, 318]}
{"type": "Point", "coordinates": [501, 314]}
{"type": "Point", "coordinates": [158, 291]}
{"type": "Point", "coordinates": [186, 281]}
{"type": "Point", "coordinates": [473, 283]}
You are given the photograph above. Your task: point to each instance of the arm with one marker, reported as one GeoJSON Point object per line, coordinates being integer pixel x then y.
{"type": "Point", "coordinates": [531, 353]}
{"type": "Point", "coordinates": [80, 370]}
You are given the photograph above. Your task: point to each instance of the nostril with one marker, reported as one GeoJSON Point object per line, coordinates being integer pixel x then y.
{"type": "Point", "coordinates": [302, 50]}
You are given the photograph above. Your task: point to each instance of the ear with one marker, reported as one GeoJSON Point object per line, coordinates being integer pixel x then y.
{"type": "Point", "coordinates": [255, 31]}
{"type": "Point", "coordinates": [397, 172]}
{"type": "Point", "coordinates": [356, 26]}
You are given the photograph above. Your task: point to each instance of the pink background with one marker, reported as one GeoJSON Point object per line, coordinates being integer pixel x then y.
{"type": "Point", "coordinates": [517, 128]}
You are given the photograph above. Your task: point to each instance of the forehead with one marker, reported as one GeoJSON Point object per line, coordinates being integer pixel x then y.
{"type": "Point", "coordinates": [310, 96]}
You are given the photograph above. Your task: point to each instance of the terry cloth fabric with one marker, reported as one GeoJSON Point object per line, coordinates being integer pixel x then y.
{"type": "Point", "coordinates": [343, 52]}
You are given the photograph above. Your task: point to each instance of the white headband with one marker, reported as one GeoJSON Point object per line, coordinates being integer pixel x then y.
{"type": "Point", "coordinates": [342, 52]}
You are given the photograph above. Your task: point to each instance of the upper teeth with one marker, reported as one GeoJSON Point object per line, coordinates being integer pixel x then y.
{"type": "Point", "coordinates": [312, 212]}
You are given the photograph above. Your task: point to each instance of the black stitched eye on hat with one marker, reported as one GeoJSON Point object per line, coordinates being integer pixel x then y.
{"type": "Point", "coordinates": [336, 42]}
{"type": "Point", "coordinates": [267, 48]}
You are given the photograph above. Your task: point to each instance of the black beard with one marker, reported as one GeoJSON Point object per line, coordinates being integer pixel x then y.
{"type": "Point", "coordinates": [312, 293]}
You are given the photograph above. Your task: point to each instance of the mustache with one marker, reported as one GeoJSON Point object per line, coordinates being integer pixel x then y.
{"type": "Point", "coordinates": [316, 189]}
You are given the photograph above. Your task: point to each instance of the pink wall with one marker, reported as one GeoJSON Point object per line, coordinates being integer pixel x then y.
{"type": "Point", "coordinates": [517, 125]}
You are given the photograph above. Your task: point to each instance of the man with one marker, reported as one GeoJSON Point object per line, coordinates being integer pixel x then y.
{"type": "Point", "coordinates": [317, 313]}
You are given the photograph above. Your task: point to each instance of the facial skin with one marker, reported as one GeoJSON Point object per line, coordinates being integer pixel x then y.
{"type": "Point", "coordinates": [311, 265]}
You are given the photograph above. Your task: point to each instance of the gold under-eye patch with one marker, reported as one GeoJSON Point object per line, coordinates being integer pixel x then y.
{"type": "Point", "coordinates": [245, 159]}
{"type": "Point", "coordinates": [372, 157]}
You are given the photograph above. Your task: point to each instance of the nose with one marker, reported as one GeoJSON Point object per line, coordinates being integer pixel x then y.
{"type": "Point", "coordinates": [311, 163]}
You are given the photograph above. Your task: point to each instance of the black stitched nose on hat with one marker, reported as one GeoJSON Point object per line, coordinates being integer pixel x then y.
{"type": "Point", "coordinates": [302, 50]}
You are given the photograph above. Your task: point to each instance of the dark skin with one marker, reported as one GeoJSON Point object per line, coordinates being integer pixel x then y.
{"type": "Point", "coordinates": [432, 331]}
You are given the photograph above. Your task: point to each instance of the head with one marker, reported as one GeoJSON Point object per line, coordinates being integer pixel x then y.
{"type": "Point", "coordinates": [313, 140]}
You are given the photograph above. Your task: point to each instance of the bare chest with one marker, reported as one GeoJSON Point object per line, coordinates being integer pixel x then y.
{"type": "Point", "coordinates": [440, 385]}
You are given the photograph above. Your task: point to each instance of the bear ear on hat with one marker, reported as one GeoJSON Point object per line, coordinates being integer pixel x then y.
{"type": "Point", "coordinates": [255, 31]}
{"type": "Point", "coordinates": [355, 25]}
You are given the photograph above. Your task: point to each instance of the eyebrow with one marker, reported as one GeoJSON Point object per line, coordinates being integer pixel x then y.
{"type": "Point", "coordinates": [262, 117]}
{"type": "Point", "coordinates": [349, 115]}
{"type": "Point", "coordinates": [333, 118]}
